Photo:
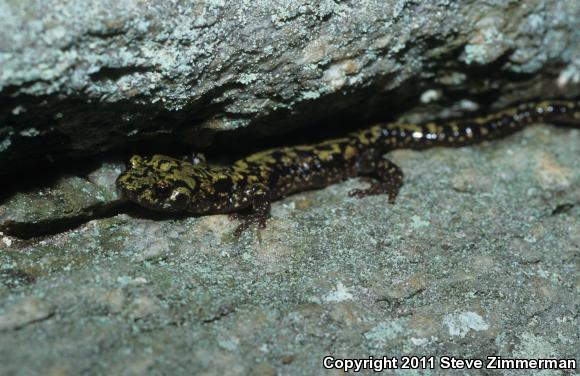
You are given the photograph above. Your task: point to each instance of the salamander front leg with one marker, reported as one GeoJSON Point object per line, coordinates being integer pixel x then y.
{"type": "Point", "coordinates": [259, 209]}
{"type": "Point", "coordinates": [385, 177]}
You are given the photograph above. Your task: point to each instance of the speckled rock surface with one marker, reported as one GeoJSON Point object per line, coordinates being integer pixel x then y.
{"type": "Point", "coordinates": [78, 79]}
{"type": "Point", "coordinates": [478, 257]}
{"type": "Point", "coordinates": [60, 203]}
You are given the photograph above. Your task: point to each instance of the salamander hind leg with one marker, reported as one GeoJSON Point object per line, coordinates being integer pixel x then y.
{"type": "Point", "coordinates": [385, 177]}
{"type": "Point", "coordinates": [259, 210]}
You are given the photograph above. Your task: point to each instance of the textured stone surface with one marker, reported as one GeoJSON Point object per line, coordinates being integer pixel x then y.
{"type": "Point", "coordinates": [60, 203]}
{"type": "Point", "coordinates": [79, 79]}
{"type": "Point", "coordinates": [479, 256]}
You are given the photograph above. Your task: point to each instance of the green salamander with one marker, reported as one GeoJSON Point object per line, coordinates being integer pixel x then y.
{"type": "Point", "coordinates": [166, 184]}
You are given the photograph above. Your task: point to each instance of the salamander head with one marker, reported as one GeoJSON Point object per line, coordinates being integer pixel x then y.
{"type": "Point", "coordinates": [159, 183]}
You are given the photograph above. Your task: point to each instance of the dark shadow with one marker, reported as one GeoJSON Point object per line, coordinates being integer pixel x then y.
{"type": "Point", "coordinates": [113, 74]}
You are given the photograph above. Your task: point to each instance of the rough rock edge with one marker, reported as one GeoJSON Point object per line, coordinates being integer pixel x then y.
{"type": "Point", "coordinates": [80, 81]}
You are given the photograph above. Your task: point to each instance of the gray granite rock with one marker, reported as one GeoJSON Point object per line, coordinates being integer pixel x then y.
{"type": "Point", "coordinates": [478, 257]}
{"type": "Point", "coordinates": [79, 79]}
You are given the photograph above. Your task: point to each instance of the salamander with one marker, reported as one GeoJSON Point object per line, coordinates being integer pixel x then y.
{"type": "Point", "coordinates": [250, 184]}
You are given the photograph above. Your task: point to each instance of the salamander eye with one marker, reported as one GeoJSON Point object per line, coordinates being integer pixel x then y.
{"type": "Point", "coordinates": [180, 197]}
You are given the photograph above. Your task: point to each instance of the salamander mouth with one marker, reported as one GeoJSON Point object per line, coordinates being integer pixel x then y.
{"type": "Point", "coordinates": [139, 197]}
